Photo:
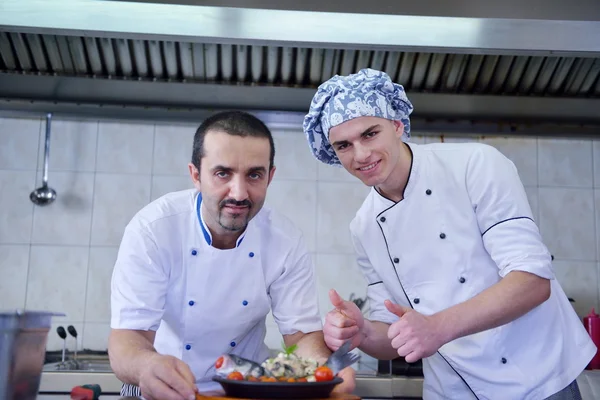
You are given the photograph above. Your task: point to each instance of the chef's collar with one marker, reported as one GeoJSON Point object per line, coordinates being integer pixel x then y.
{"type": "Point", "coordinates": [205, 230]}
{"type": "Point", "coordinates": [413, 175]}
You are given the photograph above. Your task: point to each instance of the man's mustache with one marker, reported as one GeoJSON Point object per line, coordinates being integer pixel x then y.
{"type": "Point", "coordinates": [243, 203]}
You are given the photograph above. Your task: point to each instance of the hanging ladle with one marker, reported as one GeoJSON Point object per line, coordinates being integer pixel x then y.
{"type": "Point", "coordinates": [44, 195]}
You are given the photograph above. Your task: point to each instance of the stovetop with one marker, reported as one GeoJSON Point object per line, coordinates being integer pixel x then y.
{"type": "Point", "coordinates": [399, 366]}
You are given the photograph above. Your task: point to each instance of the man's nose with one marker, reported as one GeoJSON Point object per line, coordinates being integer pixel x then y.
{"type": "Point", "coordinates": [361, 153]}
{"type": "Point", "coordinates": [238, 189]}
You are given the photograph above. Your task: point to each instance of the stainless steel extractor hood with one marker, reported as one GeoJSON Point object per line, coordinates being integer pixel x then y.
{"type": "Point", "coordinates": [523, 66]}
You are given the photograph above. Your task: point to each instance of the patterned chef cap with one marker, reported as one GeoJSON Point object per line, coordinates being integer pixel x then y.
{"type": "Point", "coordinates": [368, 93]}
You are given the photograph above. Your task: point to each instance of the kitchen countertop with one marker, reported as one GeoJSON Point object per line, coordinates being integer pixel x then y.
{"type": "Point", "coordinates": [369, 385]}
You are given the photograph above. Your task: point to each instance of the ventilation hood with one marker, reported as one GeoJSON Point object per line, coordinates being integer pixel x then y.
{"type": "Point", "coordinates": [528, 66]}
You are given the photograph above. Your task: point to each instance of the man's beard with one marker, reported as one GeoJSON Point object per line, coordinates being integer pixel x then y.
{"type": "Point", "coordinates": [236, 223]}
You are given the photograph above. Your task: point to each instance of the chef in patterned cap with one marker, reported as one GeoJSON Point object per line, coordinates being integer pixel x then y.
{"type": "Point", "coordinates": [457, 272]}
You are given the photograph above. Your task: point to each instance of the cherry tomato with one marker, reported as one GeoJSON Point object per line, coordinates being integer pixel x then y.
{"type": "Point", "coordinates": [302, 380]}
{"type": "Point", "coordinates": [323, 374]}
{"type": "Point", "coordinates": [219, 362]}
{"type": "Point", "coordinates": [235, 376]}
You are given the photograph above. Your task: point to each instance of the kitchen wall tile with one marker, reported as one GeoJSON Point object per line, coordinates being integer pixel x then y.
{"type": "Point", "coordinates": [418, 139]}
{"type": "Point", "coordinates": [532, 196]}
{"type": "Point", "coordinates": [57, 280]}
{"type": "Point", "coordinates": [579, 281]}
{"type": "Point", "coordinates": [72, 146]}
{"type": "Point", "coordinates": [173, 149]}
{"type": "Point", "coordinates": [162, 185]}
{"type": "Point", "coordinates": [337, 204]}
{"type": "Point", "coordinates": [297, 200]}
{"type": "Point", "coordinates": [451, 138]}
{"type": "Point", "coordinates": [597, 220]}
{"type": "Point", "coordinates": [332, 173]}
{"type": "Point", "coordinates": [565, 163]}
{"type": "Point", "coordinates": [117, 198]}
{"type": "Point", "coordinates": [55, 343]}
{"type": "Point", "coordinates": [293, 158]}
{"type": "Point", "coordinates": [522, 151]}
{"type": "Point", "coordinates": [67, 221]}
{"type": "Point", "coordinates": [97, 304]}
{"type": "Point", "coordinates": [19, 141]}
{"type": "Point", "coordinates": [95, 336]}
{"type": "Point", "coordinates": [565, 222]}
{"type": "Point", "coordinates": [596, 156]}
{"type": "Point", "coordinates": [16, 220]}
{"type": "Point", "coordinates": [14, 264]}
{"type": "Point", "coordinates": [330, 267]}
{"type": "Point", "coordinates": [125, 148]}
{"type": "Point", "coordinates": [273, 338]}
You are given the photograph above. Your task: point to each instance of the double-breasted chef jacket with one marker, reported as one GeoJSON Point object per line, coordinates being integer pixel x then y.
{"type": "Point", "coordinates": [202, 301]}
{"type": "Point", "coordinates": [463, 225]}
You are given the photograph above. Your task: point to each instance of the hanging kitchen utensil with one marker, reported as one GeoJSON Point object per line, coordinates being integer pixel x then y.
{"type": "Point", "coordinates": [44, 195]}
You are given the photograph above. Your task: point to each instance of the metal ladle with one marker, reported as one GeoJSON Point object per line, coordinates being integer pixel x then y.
{"type": "Point", "coordinates": [44, 195]}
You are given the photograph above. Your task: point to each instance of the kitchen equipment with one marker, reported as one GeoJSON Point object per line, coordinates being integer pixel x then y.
{"type": "Point", "coordinates": [63, 335]}
{"type": "Point", "coordinates": [44, 195]}
{"type": "Point", "coordinates": [23, 337]}
{"type": "Point", "coordinates": [338, 396]}
{"type": "Point", "coordinates": [592, 325]}
{"type": "Point", "coordinates": [277, 390]}
{"type": "Point", "coordinates": [73, 332]}
{"type": "Point", "coordinates": [86, 392]}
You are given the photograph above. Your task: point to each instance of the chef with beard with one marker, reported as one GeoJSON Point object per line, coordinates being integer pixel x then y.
{"type": "Point", "coordinates": [457, 272]}
{"type": "Point", "coordinates": [198, 271]}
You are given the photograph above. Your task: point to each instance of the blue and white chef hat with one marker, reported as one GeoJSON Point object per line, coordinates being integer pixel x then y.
{"type": "Point", "coordinates": [368, 93]}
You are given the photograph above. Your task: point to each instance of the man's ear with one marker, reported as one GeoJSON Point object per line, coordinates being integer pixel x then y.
{"type": "Point", "coordinates": [195, 175]}
{"type": "Point", "coordinates": [399, 126]}
{"type": "Point", "coordinates": [271, 174]}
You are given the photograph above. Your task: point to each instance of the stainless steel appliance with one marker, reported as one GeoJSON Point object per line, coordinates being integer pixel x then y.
{"type": "Point", "coordinates": [23, 337]}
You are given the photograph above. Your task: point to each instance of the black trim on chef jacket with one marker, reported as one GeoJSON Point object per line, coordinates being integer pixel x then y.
{"type": "Point", "coordinates": [396, 272]}
{"type": "Point", "coordinates": [506, 220]}
{"type": "Point", "coordinates": [375, 283]}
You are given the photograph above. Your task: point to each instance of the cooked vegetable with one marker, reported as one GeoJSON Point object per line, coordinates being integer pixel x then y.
{"type": "Point", "coordinates": [323, 374]}
{"type": "Point", "coordinates": [235, 376]}
{"type": "Point", "coordinates": [285, 367]}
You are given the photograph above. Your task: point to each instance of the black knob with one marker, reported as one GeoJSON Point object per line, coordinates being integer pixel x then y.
{"type": "Point", "coordinates": [61, 332]}
{"type": "Point", "coordinates": [72, 331]}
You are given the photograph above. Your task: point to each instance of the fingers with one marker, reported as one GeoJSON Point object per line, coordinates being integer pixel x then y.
{"type": "Point", "coordinates": [181, 384]}
{"type": "Point", "coordinates": [396, 309]}
{"type": "Point", "coordinates": [348, 374]}
{"type": "Point", "coordinates": [339, 320]}
{"type": "Point", "coordinates": [335, 299]}
{"type": "Point", "coordinates": [340, 333]}
{"type": "Point", "coordinates": [185, 371]}
{"type": "Point", "coordinates": [158, 390]}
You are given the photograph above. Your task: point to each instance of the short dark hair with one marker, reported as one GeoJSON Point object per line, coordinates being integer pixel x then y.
{"type": "Point", "coordinates": [238, 123]}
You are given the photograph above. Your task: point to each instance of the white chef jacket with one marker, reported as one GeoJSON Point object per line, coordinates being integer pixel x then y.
{"type": "Point", "coordinates": [465, 223]}
{"type": "Point", "coordinates": [203, 301]}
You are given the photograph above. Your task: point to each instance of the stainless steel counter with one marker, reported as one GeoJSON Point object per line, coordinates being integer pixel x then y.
{"type": "Point", "coordinates": [367, 385]}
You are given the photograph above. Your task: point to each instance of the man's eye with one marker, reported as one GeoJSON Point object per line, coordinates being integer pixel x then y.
{"type": "Point", "coordinates": [221, 174]}
{"type": "Point", "coordinates": [255, 176]}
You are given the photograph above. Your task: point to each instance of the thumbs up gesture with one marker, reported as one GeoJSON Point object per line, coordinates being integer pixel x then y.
{"type": "Point", "coordinates": [344, 322]}
{"type": "Point", "coordinates": [414, 335]}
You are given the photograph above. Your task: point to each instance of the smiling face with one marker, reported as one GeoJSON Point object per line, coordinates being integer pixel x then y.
{"type": "Point", "coordinates": [371, 149]}
{"type": "Point", "coordinates": [233, 179]}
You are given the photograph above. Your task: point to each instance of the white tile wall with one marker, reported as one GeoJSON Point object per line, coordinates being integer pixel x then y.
{"type": "Point", "coordinates": [61, 257]}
